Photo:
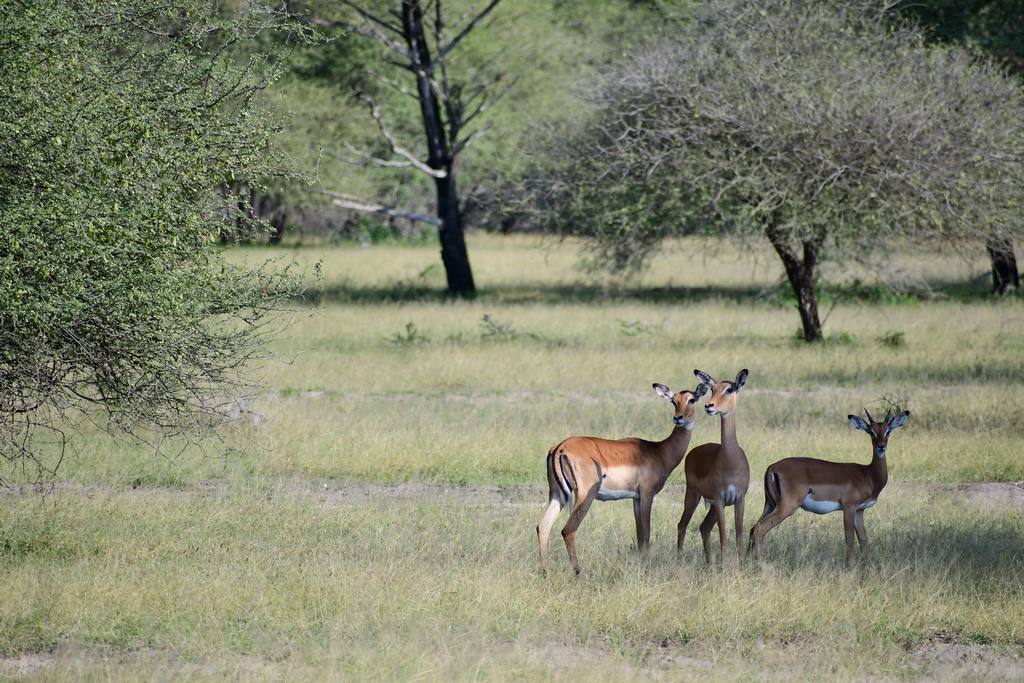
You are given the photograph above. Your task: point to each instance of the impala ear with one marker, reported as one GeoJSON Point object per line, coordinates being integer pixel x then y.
{"type": "Point", "coordinates": [663, 391]}
{"type": "Point", "coordinates": [858, 423]}
{"type": "Point", "coordinates": [701, 389]}
{"type": "Point", "coordinates": [741, 379]}
{"type": "Point", "coordinates": [704, 378]}
{"type": "Point", "coordinates": [898, 421]}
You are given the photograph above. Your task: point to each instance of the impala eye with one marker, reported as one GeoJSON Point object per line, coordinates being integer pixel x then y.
{"type": "Point", "coordinates": [692, 400]}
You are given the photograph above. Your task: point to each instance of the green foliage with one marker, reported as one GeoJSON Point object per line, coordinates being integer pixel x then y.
{"type": "Point", "coordinates": [120, 122]}
{"type": "Point", "coordinates": [992, 26]}
{"type": "Point", "coordinates": [411, 336]}
{"type": "Point", "coordinates": [893, 339]}
{"type": "Point", "coordinates": [497, 330]}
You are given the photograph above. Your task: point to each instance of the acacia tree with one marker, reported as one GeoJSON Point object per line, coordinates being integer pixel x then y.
{"type": "Point", "coordinates": [809, 124]}
{"type": "Point", "coordinates": [119, 122]}
{"type": "Point", "coordinates": [994, 27]}
{"type": "Point", "coordinates": [447, 106]}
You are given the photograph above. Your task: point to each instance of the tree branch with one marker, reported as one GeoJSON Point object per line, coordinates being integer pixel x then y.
{"type": "Point", "coordinates": [484, 106]}
{"type": "Point", "coordinates": [443, 51]}
{"type": "Point", "coordinates": [463, 144]}
{"type": "Point", "coordinates": [387, 81]}
{"type": "Point", "coordinates": [395, 147]}
{"type": "Point", "coordinates": [369, 16]}
{"type": "Point", "coordinates": [356, 204]}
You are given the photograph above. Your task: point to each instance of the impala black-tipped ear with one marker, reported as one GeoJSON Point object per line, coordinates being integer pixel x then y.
{"type": "Point", "coordinates": [663, 391]}
{"type": "Point", "coordinates": [898, 421]}
{"type": "Point", "coordinates": [858, 422]}
{"type": "Point", "coordinates": [704, 378]}
{"type": "Point", "coordinates": [741, 379]}
{"type": "Point", "coordinates": [701, 389]}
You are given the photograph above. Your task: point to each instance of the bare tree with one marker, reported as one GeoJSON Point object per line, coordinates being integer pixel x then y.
{"type": "Point", "coordinates": [810, 124]}
{"type": "Point", "coordinates": [448, 106]}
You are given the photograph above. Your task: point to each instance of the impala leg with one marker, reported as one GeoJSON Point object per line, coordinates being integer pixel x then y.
{"type": "Point", "coordinates": [642, 515]}
{"type": "Point", "coordinates": [579, 511]}
{"type": "Point", "coordinates": [862, 532]}
{"type": "Point", "coordinates": [738, 514]}
{"type": "Point", "coordinates": [690, 500]}
{"type": "Point", "coordinates": [849, 514]}
{"type": "Point", "coordinates": [705, 530]}
{"type": "Point", "coordinates": [723, 531]}
{"type": "Point", "coordinates": [769, 520]}
{"type": "Point", "coordinates": [544, 529]}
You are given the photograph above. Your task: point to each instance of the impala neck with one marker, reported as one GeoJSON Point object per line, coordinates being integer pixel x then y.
{"type": "Point", "coordinates": [729, 442]}
{"type": "Point", "coordinates": [879, 470]}
{"type": "Point", "coordinates": [674, 447]}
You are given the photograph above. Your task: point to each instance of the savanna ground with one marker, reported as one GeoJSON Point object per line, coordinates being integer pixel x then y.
{"type": "Point", "coordinates": [374, 516]}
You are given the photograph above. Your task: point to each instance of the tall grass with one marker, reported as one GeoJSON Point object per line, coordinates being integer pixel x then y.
{"type": "Point", "coordinates": [291, 580]}
{"type": "Point", "coordinates": [353, 528]}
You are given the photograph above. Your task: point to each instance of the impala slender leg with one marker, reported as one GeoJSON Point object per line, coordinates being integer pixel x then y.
{"type": "Point", "coordinates": [642, 514]}
{"type": "Point", "coordinates": [862, 533]}
{"type": "Point", "coordinates": [723, 531]}
{"type": "Point", "coordinates": [690, 500]}
{"type": "Point", "coordinates": [705, 530]}
{"type": "Point", "coordinates": [848, 517]}
{"type": "Point", "coordinates": [579, 511]}
{"type": "Point", "coordinates": [768, 522]}
{"type": "Point", "coordinates": [755, 543]}
{"type": "Point", "coordinates": [738, 514]}
{"type": "Point", "coordinates": [544, 529]}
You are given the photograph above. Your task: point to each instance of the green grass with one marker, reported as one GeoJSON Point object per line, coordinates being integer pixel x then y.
{"type": "Point", "coordinates": [353, 529]}
{"type": "Point", "coordinates": [290, 579]}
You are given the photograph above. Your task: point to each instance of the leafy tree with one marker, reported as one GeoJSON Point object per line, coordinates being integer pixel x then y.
{"type": "Point", "coordinates": [996, 29]}
{"type": "Point", "coordinates": [811, 125]}
{"type": "Point", "coordinates": [119, 122]}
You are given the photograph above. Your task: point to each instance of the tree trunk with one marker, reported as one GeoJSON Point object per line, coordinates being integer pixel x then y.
{"type": "Point", "coordinates": [1005, 276]}
{"type": "Point", "coordinates": [801, 277]}
{"type": "Point", "coordinates": [453, 243]}
{"type": "Point", "coordinates": [279, 223]}
{"type": "Point", "coordinates": [452, 236]}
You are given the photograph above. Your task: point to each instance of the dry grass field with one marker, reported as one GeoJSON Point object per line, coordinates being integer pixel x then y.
{"type": "Point", "coordinates": [372, 516]}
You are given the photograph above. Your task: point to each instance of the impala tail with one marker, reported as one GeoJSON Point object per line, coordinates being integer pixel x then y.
{"type": "Point", "coordinates": [558, 483]}
{"type": "Point", "coordinates": [772, 495]}
{"type": "Point", "coordinates": [772, 491]}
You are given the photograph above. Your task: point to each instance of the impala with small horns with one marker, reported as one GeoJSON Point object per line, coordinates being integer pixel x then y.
{"type": "Point", "coordinates": [717, 472]}
{"type": "Point", "coordinates": [588, 469]}
{"type": "Point", "coordinates": [820, 486]}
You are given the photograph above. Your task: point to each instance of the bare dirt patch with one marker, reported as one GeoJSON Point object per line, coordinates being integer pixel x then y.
{"type": "Point", "coordinates": [942, 660]}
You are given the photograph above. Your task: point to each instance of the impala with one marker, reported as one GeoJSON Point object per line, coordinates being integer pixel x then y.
{"type": "Point", "coordinates": [717, 472]}
{"type": "Point", "coordinates": [589, 469]}
{"type": "Point", "coordinates": [820, 486]}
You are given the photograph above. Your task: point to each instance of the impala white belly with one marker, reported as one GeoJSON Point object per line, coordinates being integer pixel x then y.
{"type": "Point", "coordinates": [618, 477]}
{"type": "Point", "coordinates": [819, 507]}
{"type": "Point", "coordinates": [823, 507]}
{"type": "Point", "coordinates": [612, 494]}
{"type": "Point", "coordinates": [728, 496]}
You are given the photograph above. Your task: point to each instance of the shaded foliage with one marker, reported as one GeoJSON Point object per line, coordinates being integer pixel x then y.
{"type": "Point", "coordinates": [119, 124]}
